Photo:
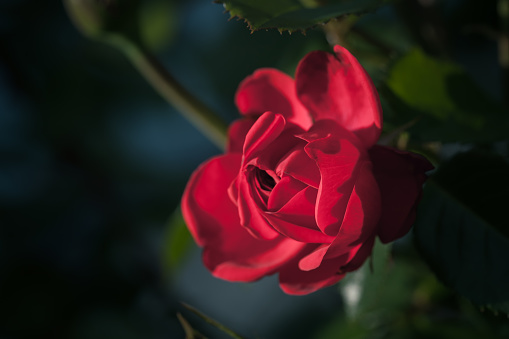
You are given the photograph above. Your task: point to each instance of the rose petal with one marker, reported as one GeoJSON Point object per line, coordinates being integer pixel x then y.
{"type": "Point", "coordinates": [264, 131]}
{"type": "Point", "coordinates": [296, 218]}
{"type": "Point", "coordinates": [359, 223]}
{"type": "Point", "coordinates": [271, 90]}
{"type": "Point", "coordinates": [300, 166]}
{"type": "Point", "coordinates": [202, 194]}
{"type": "Point", "coordinates": [295, 281]}
{"type": "Point", "coordinates": [233, 191]}
{"type": "Point", "coordinates": [337, 157]}
{"type": "Point", "coordinates": [237, 134]}
{"type": "Point", "coordinates": [230, 252]}
{"type": "Point", "coordinates": [297, 232]}
{"type": "Point", "coordinates": [314, 259]}
{"type": "Point", "coordinates": [251, 208]}
{"type": "Point", "coordinates": [285, 190]}
{"type": "Point", "coordinates": [269, 159]}
{"type": "Point", "coordinates": [361, 216]}
{"type": "Point", "coordinates": [337, 87]}
{"type": "Point", "coordinates": [360, 256]}
{"type": "Point", "coordinates": [300, 209]}
{"type": "Point", "coordinates": [400, 176]}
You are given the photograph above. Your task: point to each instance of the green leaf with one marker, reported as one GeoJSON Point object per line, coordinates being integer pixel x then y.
{"type": "Point", "coordinates": [379, 288]}
{"type": "Point", "coordinates": [213, 322]}
{"type": "Point", "coordinates": [463, 230]}
{"type": "Point", "coordinates": [158, 23]}
{"type": "Point", "coordinates": [450, 106]}
{"type": "Point", "coordinates": [177, 242]}
{"type": "Point", "coordinates": [360, 288]}
{"type": "Point", "coordinates": [342, 328]}
{"type": "Point", "coordinates": [293, 15]}
{"type": "Point", "coordinates": [385, 288]}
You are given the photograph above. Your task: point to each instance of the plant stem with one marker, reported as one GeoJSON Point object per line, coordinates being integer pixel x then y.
{"type": "Point", "coordinates": [213, 322]}
{"type": "Point", "coordinates": [189, 106]}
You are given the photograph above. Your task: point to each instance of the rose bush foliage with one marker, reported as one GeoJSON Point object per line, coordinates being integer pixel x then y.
{"type": "Point", "coordinates": [303, 189]}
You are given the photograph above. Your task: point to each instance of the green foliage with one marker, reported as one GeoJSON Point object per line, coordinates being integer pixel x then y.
{"type": "Point", "coordinates": [158, 23]}
{"type": "Point", "coordinates": [399, 298]}
{"type": "Point", "coordinates": [293, 15]}
{"type": "Point", "coordinates": [463, 231]}
{"type": "Point", "coordinates": [361, 289]}
{"type": "Point", "coordinates": [449, 105]}
{"type": "Point", "coordinates": [111, 21]}
{"type": "Point", "coordinates": [380, 289]}
{"type": "Point", "coordinates": [213, 322]}
{"type": "Point", "coordinates": [117, 21]}
{"type": "Point", "coordinates": [421, 81]}
{"type": "Point", "coordinates": [177, 242]}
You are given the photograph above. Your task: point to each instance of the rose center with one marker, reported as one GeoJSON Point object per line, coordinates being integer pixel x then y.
{"type": "Point", "coordinates": [265, 181]}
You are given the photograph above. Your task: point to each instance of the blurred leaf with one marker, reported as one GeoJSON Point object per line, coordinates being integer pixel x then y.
{"type": "Point", "coordinates": [463, 229]}
{"type": "Point", "coordinates": [293, 15]}
{"type": "Point", "coordinates": [421, 82]}
{"type": "Point", "coordinates": [377, 296]}
{"type": "Point", "coordinates": [111, 21]}
{"type": "Point", "coordinates": [177, 241]}
{"type": "Point", "coordinates": [341, 328]}
{"type": "Point", "coordinates": [451, 106]}
{"type": "Point", "coordinates": [158, 23]}
{"type": "Point", "coordinates": [378, 287]}
{"type": "Point", "coordinates": [359, 289]}
{"type": "Point", "coordinates": [213, 322]}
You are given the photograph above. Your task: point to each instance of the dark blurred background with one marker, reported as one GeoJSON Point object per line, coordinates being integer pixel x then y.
{"type": "Point", "coordinates": [93, 163]}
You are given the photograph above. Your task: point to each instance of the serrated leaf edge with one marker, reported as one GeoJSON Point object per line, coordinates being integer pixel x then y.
{"type": "Point", "coordinates": [290, 31]}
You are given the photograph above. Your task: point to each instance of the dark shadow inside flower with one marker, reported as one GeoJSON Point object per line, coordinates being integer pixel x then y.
{"type": "Point", "coordinates": [263, 180]}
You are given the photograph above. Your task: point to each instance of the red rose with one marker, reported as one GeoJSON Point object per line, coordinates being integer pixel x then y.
{"type": "Point", "coordinates": [302, 189]}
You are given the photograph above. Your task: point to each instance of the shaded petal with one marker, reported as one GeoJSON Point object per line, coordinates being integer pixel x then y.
{"type": "Point", "coordinates": [400, 176]}
{"type": "Point", "coordinates": [297, 232]}
{"type": "Point", "coordinates": [251, 207]}
{"type": "Point", "coordinates": [295, 281]}
{"type": "Point", "coordinates": [300, 166]}
{"type": "Point", "coordinates": [300, 209]}
{"type": "Point", "coordinates": [237, 134]}
{"type": "Point", "coordinates": [233, 191]}
{"type": "Point", "coordinates": [230, 252]}
{"type": "Point", "coordinates": [271, 90]}
{"type": "Point", "coordinates": [358, 226]}
{"type": "Point", "coordinates": [279, 149]}
{"type": "Point", "coordinates": [337, 87]}
{"type": "Point", "coordinates": [264, 131]}
{"type": "Point", "coordinates": [296, 218]}
{"type": "Point", "coordinates": [361, 216]}
{"type": "Point", "coordinates": [360, 256]}
{"type": "Point", "coordinates": [285, 190]}
{"type": "Point", "coordinates": [337, 157]}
